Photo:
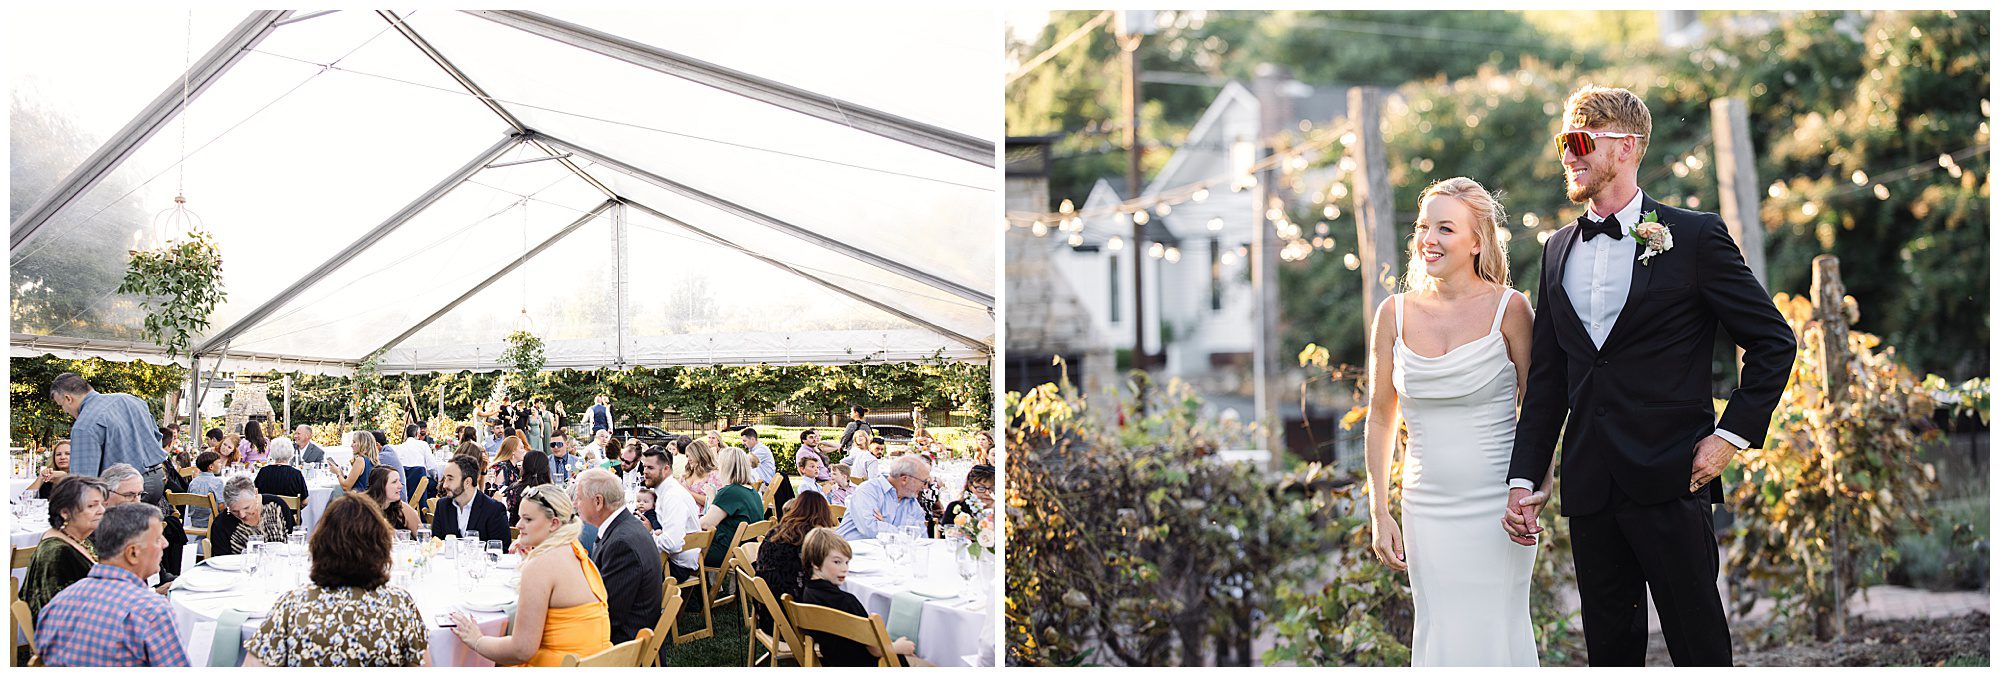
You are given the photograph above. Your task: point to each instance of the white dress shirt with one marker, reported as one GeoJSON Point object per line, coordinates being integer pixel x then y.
{"type": "Point", "coordinates": [1597, 277]}
{"type": "Point", "coordinates": [679, 516]}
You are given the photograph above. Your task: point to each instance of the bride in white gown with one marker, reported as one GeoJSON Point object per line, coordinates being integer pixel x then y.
{"type": "Point", "coordinates": [1448, 358]}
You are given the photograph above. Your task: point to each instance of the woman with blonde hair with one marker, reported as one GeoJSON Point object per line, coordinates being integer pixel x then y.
{"type": "Point", "coordinates": [700, 476]}
{"type": "Point", "coordinates": [1448, 358]}
{"type": "Point", "coordinates": [366, 454]}
{"type": "Point", "coordinates": [735, 504]}
{"type": "Point", "coordinates": [562, 606]}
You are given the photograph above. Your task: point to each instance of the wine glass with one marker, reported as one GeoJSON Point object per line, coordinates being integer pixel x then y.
{"type": "Point", "coordinates": [470, 570]}
{"type": "Point", "coordinates": [892, 545]}
{"type": "Point", "coordinates": [968, 566]}
{"type": "Point", "coordinates": [423, 535]}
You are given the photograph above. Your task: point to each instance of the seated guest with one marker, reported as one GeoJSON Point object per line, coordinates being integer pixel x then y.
{"type": "Point", "coordinates": [64, 555]}
{"type": "Point", "coordinates": [825, 557]}
{"type": "Point", "coordinates": [978, 496]}
{"type": "Point", "coordinates": [778, 560]}
{"type": "Point", "coordinates": [348, 616]}
{"type": "Point", "coordinates": [110, 618]}
{"type": "Point", "coordinates": [563, 603]}
{"type": "Point", "coordinates": [861, 457]}
{"type": "Point", "coordinates": [208, 480]}
{"type": "Point", "coordinates": [982, 449]}
{"type": "Point", "coordinates": [809, 444]}
{"type": "Point", "coordinates": [888, 502]}
{"type": "Point", "coordinates": [302, 442]}
{"type": "Point", "coordinates": [534, 473]}
{"type": "Point", "coordinates": [840, 487]}
{"type": "Point", "coordinates": [625, 554]}
{"type": "Point", "coordinates": [254, 447]}
{"type": "Point", "coordinates": [506, 469]}
{"type": "Point", "coordinates": [385, 453]}
{"type": "Point", "coordinates": [280, 478]}
{"type": "Point", "coordinates": [247, 514]}
{"type": "Point", "coordinates": [676, 513]}
{"type": "Point", "coordinates": [465, 508]}
{"type": "Point", "coordinates": [810, 468]}
{"type": "Point", "coordinates": [644, 508]}
{"type": "Point", "coordinates": [176, 459]}
{"type": "Point", "coordinates": [232, 450]}
{"type": "Point", "coordinates": [732, 506]}
{"type": "Point", "coordinates": [123, 484]}
{"type": "Point", "coordinates": [700, 476]}
{"type": "Point", "coordinates": [383, 488]}
{"type": "Point", "coordinates": [628, 458]}
{"type": "Point", "coordinates": [563, 461]}
{"type": "Point", "coordinates": [367, 454]}
{"type": "Point", "coordinates": [45, 480]}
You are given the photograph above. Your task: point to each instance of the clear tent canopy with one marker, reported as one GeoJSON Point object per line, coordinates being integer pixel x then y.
{"type": "Point", "coordinates": [640, 188]}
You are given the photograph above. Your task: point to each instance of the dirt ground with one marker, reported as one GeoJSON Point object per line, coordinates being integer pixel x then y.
{"type": "Point", "coordinates": [1901, 642]}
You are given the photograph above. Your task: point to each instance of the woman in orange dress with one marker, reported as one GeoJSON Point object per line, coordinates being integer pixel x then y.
{"type": "Point", "coordinates": [562, 606]}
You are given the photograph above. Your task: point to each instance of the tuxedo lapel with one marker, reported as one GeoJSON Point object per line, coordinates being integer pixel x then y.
{"type": "Point", "coordinates": [1642, 278]}
{"type": "Point", "coordinates": [1565, 309]}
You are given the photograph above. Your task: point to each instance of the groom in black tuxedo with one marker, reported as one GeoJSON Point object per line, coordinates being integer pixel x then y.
{"type": "Point", "coordinates": [1625, 318]}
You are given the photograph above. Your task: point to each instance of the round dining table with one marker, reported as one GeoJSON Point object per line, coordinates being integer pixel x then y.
{"type": "Point", "coordinates": [439, 587]}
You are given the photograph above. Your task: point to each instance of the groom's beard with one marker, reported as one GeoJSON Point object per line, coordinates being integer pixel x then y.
{"type": "Point", "coordinates": [1599, 178]}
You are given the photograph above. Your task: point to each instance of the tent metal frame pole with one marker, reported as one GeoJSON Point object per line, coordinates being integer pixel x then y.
{"type": "Point", "coordinates": [150, 120]}
{"type": "Point", "coordinates": [775, 223]}
{"type": "Point", "coordinates": [474, 89]}
{"type": "Point", "coordinates": [366, 240]}
{"type": "Point", "coordinates": [864, 298]}
{"type": "Point", "coordinates": [523, 259]}
{"type": "Point", "coordinates": [621, 260]}
{"type": "Point", "coordinates": [845, 113]}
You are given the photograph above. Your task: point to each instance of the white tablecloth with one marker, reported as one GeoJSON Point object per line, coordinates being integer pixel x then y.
{"type": "Point", "coordinates": [318, 494]}
{"type": "Point", "coordinates": [16, 485]}
{"type": "Point", "coordinates": [436, 594]}
{"type": "Point", "coordinates": [949, 632]}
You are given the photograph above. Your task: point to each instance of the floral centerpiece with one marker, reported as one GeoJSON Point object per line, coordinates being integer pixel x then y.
{"type": "Point", "coordinates": [976, 530]}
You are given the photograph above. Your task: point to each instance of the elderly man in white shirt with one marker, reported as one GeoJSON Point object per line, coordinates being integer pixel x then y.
{"type": "Point", "coordinates": [678, 513]}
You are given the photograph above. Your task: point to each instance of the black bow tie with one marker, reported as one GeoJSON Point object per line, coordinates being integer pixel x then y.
{"type": "Point", "coordinates": [1609, 226]}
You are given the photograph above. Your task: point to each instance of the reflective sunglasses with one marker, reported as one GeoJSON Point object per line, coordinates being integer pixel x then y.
{"type": "Point", "coordinates": [1585, 142]}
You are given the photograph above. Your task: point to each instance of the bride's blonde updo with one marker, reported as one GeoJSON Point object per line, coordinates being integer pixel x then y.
{"type": "Point", "coordinates": [1491, 264]}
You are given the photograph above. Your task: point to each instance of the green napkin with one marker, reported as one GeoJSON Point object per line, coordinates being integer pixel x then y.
{"type": "Point", "coordinates": [227, 649]}
{"type": "Point", "coordinates": [906, 615]}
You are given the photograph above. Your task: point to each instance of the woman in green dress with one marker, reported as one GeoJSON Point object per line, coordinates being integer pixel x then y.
{"type": "Point", "coordinates": [733, 505]}
{"type": "Point", "coordinates": [64, 555]}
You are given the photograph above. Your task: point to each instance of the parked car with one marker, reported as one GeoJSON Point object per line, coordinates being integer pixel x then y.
{"type": "Point", "coordinates": [647, 435]}
{"type": "Point", "coordinates": [893, 433]}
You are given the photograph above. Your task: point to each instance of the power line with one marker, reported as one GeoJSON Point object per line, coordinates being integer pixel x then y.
{"type": "Point", "coordinates": [1060, 45]}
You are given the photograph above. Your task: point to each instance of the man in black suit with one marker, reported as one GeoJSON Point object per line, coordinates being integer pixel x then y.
{"type": "Point", "coordinates": [625, 554]}
{"type": "Point", "coordinates": [1625, 319]}
{"type": "Point", "coordinates": [466, 508]}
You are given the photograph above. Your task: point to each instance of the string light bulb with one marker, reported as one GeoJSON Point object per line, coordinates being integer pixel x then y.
{"type": "Point", "coordinates": [1115, 243]}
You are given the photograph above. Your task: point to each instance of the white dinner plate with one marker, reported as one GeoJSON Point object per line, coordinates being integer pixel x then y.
{"type": "Point", "coordinates": [935, 589]}
{"type": "Point", "coordinates": [255, 606]}
{"type": "Point", "coordinates": [226, 562]}
{"type": "Point", "coordinates": [205, 580]}
{"type": "Point", "coordinates": [487, 599]}
{"type": "Point", "coordinates": [863, 567]}
{"type": "Point", "coordinates": [509, 561]}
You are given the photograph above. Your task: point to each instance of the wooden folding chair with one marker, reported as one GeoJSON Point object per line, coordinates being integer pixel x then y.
{"type": "Point", "coordinates": [769, 492]}
{"type": "Point", "coordinates": [22, 556]}
{"type": "Point", "coordinates": [744, 533]}
{"type": "Point", "coordinates": [193, 501]}
{"type": "Point", "coordinates": [700, 541]}
{"type": "Point", "coordinates": [295, 503]}
{"type": "Point", "coordinates": [188, 472]}
{"type": "Point", "coordinates": [24, 621]}
{"type": "Point", "coordinates": [430, 509]}
{"type": "Point", "coordinates": [620, 655]}
{"type": "Point", "coordinates": [781, 641]}
{"type": "Point", "coordinates": [670, 613]}
{"type": "Point", "coordinates": [417, 495]}
{"type": "Point", "coordinates": [810, 618]}
{"type": "Point", "coordinates": [839, 511]}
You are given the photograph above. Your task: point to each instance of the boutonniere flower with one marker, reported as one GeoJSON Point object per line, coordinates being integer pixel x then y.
{"type": "Point", "coordinates": [1656, 236]}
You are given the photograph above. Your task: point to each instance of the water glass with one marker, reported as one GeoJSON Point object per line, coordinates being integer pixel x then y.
{"type": "Point", "coordinates": [403, 536]}
{"type": "Point", "coordinates": [920, 555]}
{"type": "Point", "coordinates": [423, 535]}
{"type": "Point", "coordinates": [968, 566]}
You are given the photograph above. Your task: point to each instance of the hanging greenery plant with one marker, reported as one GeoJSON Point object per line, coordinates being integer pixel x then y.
{"type": "Point", "coordinates": [524, 354]}
{"type": "Point", "coordinates": [179, 285]}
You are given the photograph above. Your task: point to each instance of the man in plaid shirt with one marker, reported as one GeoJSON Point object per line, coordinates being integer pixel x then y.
{"type": "Point", "coordinates": [111, 618]}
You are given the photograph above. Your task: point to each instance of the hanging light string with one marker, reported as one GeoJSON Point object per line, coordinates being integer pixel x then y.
{"type": "Point", "coordinates": [1068, 218]}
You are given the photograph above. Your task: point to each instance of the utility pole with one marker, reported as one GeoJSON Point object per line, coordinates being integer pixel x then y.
{"type": "Point", "coordinates": [1375, 233]}
{"type": "Point", "coordinates": [1133, 27]}
{"type": "Point", "coordinates": [1274, 114]}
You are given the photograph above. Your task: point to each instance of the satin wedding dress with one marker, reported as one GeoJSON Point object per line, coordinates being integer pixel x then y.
{"type": "Point", "coordinates": [1469, 580]}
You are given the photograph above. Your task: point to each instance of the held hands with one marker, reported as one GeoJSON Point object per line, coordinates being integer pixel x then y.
{"type": "Point", "coordinates": [1711, 456]}
{"type": "Point", "coordinates": [1523, 518]}
{"type": "Point", "coordinates": [1388, 541]}
{"type": "Point", "coordinates": [904, 646]}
